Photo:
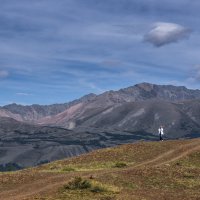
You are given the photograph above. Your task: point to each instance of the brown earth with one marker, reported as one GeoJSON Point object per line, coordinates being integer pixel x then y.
{"type": "Point", "coordinates": [154, 170]}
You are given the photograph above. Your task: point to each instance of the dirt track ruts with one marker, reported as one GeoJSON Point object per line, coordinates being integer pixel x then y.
{"type": "Point", "coordinates": [54, 181]}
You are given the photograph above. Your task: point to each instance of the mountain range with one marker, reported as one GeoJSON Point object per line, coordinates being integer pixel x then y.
{"type": "Point", "coordinates": [30, 135]}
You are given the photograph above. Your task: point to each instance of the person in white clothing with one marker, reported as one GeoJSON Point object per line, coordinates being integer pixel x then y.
{"type": "Point", "coordinates": [161, 132]}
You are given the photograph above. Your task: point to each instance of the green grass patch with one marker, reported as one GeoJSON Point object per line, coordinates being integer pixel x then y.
{"type": "Point", "coordinates": [60, 168]}
{"type": "Point", "coordinates": [78, 183]}
{"type": "Point", "coordinates": [68, 169]}
{"type": "Point", "coordinates": [192, 160]}
{"type": "Point", "coordinates": [120, 164]}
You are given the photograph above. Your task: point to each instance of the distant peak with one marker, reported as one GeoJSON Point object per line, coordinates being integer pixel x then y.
{"type": "Point", "coordinates": [12, 104]}
{"type": "Point", "coordinates": [91, 94]}
{"type": "Point", "coordinates": [89, 97]}
{"type": "Point", "coordinates": [144, 83]}
{"type": "Point", "coordinates": [145, 86]}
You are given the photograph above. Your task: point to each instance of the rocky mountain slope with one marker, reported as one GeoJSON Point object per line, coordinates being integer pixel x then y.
{"type": "Point", "coordinates": [141, 108]}
{"type": "Point", "coordinates": [24, 145]}
{"type": "Point", "coordinates": [139, 92]}
{"type": "Point", "coordinates": [30, 135]}
{"type": "Point", "coordinates": [35, 112]}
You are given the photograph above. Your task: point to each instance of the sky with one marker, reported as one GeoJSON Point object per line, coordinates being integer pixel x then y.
{"type": "Point", "coordinates": [57, 51]}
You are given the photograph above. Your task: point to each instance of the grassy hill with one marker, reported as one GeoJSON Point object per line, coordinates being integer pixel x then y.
{"type": "Point", "coordinates": [142, 171]}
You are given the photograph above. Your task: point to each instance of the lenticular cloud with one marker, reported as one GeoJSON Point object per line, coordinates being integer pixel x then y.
{"type": "Point", "coordinates": [164, 33]}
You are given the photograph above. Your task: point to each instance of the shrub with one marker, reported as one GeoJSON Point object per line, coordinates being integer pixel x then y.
{"type": "Point", "coordinates": [107, 198]}
{"type": "Point", "coordinates": [78, 183]}
{"type": "Point", "coordinates": [53, 167]}
{"type": "Point", "coordinates": [120, 164]}
{"type": "Point", "coordinates": [97, 189]}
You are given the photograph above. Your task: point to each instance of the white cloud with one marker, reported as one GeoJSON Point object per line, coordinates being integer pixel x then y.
{"type": "Point", "coordinates": [3, 73]}
{"type": "Point", "coordinates": [164, 33]}
{"type": "Point", "coordinates": [24, 94]}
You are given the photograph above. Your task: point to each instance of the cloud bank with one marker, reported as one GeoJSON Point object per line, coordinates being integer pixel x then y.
{"type": "Point", "coordinates": [164, 33]}
{"type": "Point", "coordinates": [75, 47]}
{"type": "Point", "coordinates": [23, 94]}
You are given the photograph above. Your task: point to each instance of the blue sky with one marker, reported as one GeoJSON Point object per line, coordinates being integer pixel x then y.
{"type": "Point", "coordinates": [56, 51]}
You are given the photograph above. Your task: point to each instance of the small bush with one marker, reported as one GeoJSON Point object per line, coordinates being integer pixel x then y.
{"type": "Point", "coordinates": [120, 165]}
{"type": "Point", "coordinates": [97, 189]}
{"type": "Point", "coordinates": [178, 164]}
{"type": "Point", "coordinates": [107, 198]}
{"type": "Point", "coordinates": [53, 167]}
{"type": "Point", "coordinates": [78, 183]}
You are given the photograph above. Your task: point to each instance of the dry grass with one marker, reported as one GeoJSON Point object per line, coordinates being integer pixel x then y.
{"type": "Point", "coordinates": [151, 170]}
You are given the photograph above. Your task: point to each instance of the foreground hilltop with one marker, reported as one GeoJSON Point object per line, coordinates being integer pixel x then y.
{"type": "Point", "coordinates": [145, 170]}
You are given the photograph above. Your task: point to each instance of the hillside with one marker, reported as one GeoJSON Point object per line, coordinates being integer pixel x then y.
{"type": "Point", "coordinates": [129, 108]}
{"type": "Point", "coordinates": [30, 135]}
{"type": "Point", "coordinates": [139, 108]}
{"type": "Point", "coordinates": [24, 145]}
{"type": "Point", "coordinates": [35, 112]}
{"type": "Point", "coordinates": [146, 170]}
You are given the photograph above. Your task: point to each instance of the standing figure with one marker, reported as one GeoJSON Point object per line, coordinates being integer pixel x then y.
{"type": "Point", "coordinates": [161, 132]}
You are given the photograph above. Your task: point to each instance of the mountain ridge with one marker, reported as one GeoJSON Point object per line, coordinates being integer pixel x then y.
{"type": "Point", "coordinates": [95, 111]}
{"type": "Point", "coordinates": [97, 121]}
{"type": "Point", "coordinates": [144, 85]}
